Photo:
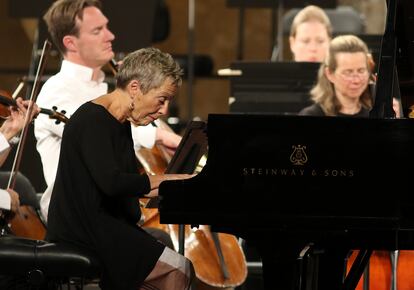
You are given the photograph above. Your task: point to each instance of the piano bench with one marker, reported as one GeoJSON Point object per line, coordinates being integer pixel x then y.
{"type": "Point", "coordinates": [40, 262]}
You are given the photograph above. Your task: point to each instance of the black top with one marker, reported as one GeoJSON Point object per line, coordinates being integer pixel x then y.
{"type": "Point", "coordinates": [316, 110]}
{"type": "Point", "coordinates": [94, 202]}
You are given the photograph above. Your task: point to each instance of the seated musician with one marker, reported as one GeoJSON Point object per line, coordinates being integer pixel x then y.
{"type": "Point", "coordinates": [9, 198]}
{"type": "Point", "coordinates": [80, 31]}
{"type": "Point", "coordinates": [343, 82]}
{"type": "Point", "coordinates": [94, 201]}
{"type": "Point", "coordinates": [310, 34]}
{"type": "Point", "coordinates": [342, 90]}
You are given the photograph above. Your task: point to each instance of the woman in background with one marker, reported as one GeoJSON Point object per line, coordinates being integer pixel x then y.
{"type": "Point", "coordinates": [310, 34]}
{"type": "Point", "coordinates": [343, 86]}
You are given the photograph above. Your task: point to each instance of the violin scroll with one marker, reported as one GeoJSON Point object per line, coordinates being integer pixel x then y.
{"type": "Point", "coordinates": [54, 114]}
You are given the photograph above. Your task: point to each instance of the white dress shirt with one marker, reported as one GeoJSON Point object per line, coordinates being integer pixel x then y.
{"type": "Point", "coordinates": [68, 90]}
{"type": "Point", "coordinates": [4, 195]}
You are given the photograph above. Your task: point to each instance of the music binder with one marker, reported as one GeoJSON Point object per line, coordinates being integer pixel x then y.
{"type": "Point", "coordinates": [192, 147]}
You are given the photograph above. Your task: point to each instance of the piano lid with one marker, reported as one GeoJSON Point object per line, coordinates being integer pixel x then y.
{"type": "Point", "coordinates": [396, 64]}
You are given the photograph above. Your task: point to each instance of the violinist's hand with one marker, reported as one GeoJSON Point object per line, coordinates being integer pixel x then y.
{"type": "Point", "coordinates": [23, 105]}
{"type": "Point", "coordinates": [15, 123]}
{"type": "Point", "coordinates": [14, 200]}
{"type": "Point", "coordinates": [155, 181]}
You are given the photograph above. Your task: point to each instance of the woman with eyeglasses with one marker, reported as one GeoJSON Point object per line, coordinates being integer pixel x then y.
{"type": "Point", "coordinates": [343, 90]}
{"type": "Point", "coordinates": [344, 78]}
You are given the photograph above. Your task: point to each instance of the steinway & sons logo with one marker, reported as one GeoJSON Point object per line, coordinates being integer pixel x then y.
{"type": "Point", "coordinates": [298, 158]}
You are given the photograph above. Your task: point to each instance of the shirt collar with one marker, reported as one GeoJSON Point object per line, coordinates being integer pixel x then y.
{"type": "Point", "coordinates": [79, 71]}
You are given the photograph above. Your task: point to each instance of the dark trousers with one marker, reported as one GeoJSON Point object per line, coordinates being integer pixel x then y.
{"type": "Point", "coordinates": [161, 236]}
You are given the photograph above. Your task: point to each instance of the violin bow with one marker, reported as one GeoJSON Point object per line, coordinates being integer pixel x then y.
{"type": "Point", "coordinates": [22, 138]}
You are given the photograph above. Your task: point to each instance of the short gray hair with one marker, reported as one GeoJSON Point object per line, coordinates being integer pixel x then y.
{"type": "Point", "coordinates": [151, 67]}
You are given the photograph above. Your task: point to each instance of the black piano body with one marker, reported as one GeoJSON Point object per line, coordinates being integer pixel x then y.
{"type": "Point", "coordinates": [309, 174]}
{"type": "Point", "coordinates": [325, 181]}
{"type": "Point", "coordinates": [334, 182]}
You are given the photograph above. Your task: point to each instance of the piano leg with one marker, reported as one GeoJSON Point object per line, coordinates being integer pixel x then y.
{"type": "Point", "coordinates": [332, 268]}
{"type": "Point", "coordinates": [280, 265]}
{"type": "Point", "coordinates": [283, 266]}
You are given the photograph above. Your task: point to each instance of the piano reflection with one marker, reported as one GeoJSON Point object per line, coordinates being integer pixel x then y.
{"type": "Point", "coordinates": [316, 178]}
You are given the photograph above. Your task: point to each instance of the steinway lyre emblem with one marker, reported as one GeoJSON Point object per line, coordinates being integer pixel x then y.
{"type": "Point", "coordinates": [298, 156]}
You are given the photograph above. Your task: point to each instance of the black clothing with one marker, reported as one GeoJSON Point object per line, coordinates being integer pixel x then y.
{"type": "Point", "coordinates": [312, 110]}
{"type": "Point", "coordinates": [94, 201]}
{"type": "Point", "coordinates": [316, 110]}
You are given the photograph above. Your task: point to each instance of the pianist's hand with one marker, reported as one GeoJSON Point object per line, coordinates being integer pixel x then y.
{"type": "Point", "coordinates": [155, 181]}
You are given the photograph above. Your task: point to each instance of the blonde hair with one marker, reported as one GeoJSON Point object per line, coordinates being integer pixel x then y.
{"type": "Point", "coordinates": [323, 92]}
{"type": "Point", "coordinates": [151, 67]}
{"type": "Point", "coordinates": [61, 17]}
{"type": "Point", "coordinates": [308, 14]}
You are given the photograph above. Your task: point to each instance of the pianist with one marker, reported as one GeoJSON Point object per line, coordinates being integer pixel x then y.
{"type": "Point", "coordinates": [94, 202]}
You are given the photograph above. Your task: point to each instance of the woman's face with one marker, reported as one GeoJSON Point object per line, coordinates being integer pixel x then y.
{"type": "Point", "coordinates": [310, 43]}
{"type": "Point", "coordinates": [351, 77]}
{"type": "Point", "coordinates": [153, 104]}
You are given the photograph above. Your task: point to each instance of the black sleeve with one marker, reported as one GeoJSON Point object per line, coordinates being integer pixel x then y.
{"type": "Point", "coordinates": [312, 110]}
{"type": "Point", "coordinates": [99, 155]}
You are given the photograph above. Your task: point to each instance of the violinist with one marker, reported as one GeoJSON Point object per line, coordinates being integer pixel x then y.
{"type": "Point", "coordinates": [80, 31]}
{"type": "Point", "coordinates": [11, 127]}
{"type": "Point", "coordinates": [94, 199]}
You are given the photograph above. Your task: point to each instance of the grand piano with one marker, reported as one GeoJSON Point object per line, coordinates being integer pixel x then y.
{"type": "Point", "coordinates": [339, 183]}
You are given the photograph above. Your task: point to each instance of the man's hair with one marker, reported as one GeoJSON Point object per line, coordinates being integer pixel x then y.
{"type": "Point", "coordinates": [308, 14]}
{"type": "Point", "coordinates": [151, 67]}
{"type": "Point", "coordinates": [61, 17]}
{"type": "Point", "coordinates": [323, 93]}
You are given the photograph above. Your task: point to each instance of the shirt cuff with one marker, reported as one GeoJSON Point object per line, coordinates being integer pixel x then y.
{"type": "Point", "coordinates": [5, 199]}
{"type": "Point", "coordinates": [143, 136]}
{"type": "Point", "coordinates": [4, 144]}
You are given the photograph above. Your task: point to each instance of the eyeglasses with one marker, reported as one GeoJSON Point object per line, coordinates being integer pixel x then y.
{"type": "Point", "coordinates": [349, 74]}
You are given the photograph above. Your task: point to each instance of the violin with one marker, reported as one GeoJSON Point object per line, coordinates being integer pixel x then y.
{"type": "Point", "coordinates": [6, 101]}
{"type": "Point", "coordinates": [25, 222]}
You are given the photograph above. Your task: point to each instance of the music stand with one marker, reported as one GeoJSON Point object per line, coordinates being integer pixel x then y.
{"type": "Point", "coordinates": [272, 87]}
{"type": "Point", "coordinates": [132, 26]}
{"type": "Point", "coordinates": [192, 147]}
